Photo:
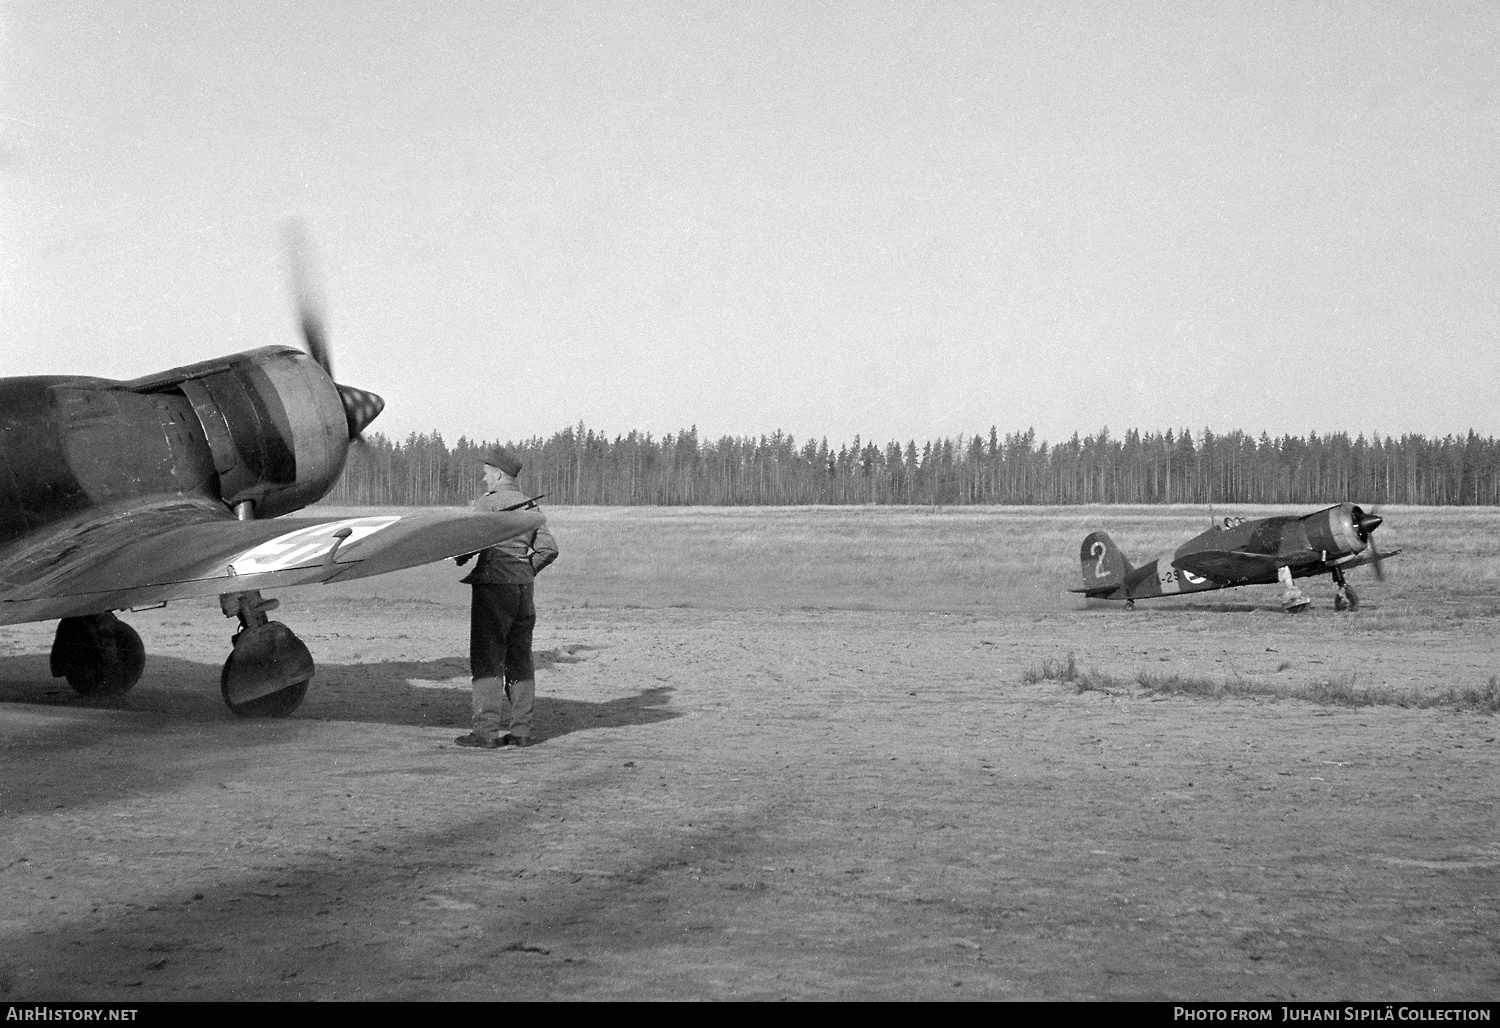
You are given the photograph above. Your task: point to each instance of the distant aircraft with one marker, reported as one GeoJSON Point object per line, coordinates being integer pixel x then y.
{"type": "Point", "coordinates": [1241, 551]}
{"type": "Point", "coordinates": [120, 495]}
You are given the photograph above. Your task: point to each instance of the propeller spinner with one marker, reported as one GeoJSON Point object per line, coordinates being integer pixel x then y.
{"type": "Point", "coordinates": [360, 406]}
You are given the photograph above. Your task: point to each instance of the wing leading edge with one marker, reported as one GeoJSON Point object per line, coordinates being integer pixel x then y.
{"type": "Point", "coordinates": [146, 556]}
{"type": "Point", "coordinates": [1238, 567]}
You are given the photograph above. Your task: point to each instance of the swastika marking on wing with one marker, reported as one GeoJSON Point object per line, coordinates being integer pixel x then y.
{"type": "Point", "coordinates": [306, 545]}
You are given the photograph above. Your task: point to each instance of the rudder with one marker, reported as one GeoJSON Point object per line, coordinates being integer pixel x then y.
{"type": "Point", "coordinates": [1104, 566]}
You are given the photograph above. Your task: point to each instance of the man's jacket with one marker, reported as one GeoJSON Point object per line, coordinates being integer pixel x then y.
{"type": "Point", "coordinates": [515, 561]}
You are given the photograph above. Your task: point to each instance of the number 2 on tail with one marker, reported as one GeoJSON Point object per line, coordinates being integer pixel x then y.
{"type": "Point", "coordinates": [1099, 550]}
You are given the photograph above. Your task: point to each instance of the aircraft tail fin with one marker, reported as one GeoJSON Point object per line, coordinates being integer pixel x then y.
{"type": "Point", "coordinates": [1104, 566]}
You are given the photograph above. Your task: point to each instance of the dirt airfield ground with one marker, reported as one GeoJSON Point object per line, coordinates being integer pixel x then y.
{"type": "Point", "coordinates": [787, 754]}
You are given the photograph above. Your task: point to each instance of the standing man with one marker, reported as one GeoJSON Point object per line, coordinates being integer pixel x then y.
{"type": "Point", "coordinates": [502, 614]}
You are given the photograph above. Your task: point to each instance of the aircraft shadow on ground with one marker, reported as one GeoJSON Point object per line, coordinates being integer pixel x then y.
{"type": "Point", "coordinates": [183, 927]}
{"type": "Point", "coordinates": [1180, 608]}
{"type": "Point", "coordinates": [381, 692]}
{"type": "Point", "coordinates": [1169, 607]}
{"type": "Point", "coordinates": [224, 936]}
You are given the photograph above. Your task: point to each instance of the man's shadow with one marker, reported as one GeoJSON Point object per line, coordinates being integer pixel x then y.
{"type": "Point", "coordinates": [429, 693]}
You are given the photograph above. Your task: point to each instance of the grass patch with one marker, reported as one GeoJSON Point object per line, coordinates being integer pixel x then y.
{"type": "Point", "coordinates": [1342, 691]}
{"type": "Point", "coordinates": [1334, 691]}
{"type": "Point", "coordinates": [1066, 671]}
{"type": "Point", "coordinates": [1483, 698]}
{"type": "Point", "coordinates": [1202, 685]}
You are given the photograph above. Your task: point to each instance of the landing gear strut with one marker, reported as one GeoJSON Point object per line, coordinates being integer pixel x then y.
{"type": "Point", "coordinates": [267, 673]}
{"type": "Point", "coordinates": [98, 654]}
{"type": "Point", "coordinates": [1293, 600]}
{"type": "Point", "coordinates": [1344, 596]}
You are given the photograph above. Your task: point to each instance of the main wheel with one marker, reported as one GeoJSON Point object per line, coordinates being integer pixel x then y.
{"type": "Point", "coordinates": [267, 673]}
{"type": "Point", "coordinates": [1353, 597]}
{"type": "Point", "coordinates": [98, 654]}
{"type": "Point", "coordinates": [276, 704]}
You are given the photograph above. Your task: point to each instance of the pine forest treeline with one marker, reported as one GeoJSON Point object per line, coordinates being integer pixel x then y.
{"type": "Point", "coordinates": [580, 466]}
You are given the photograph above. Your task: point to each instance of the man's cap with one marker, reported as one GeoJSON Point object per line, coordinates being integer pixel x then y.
{"type": "Point", "coordinates": [500, 457]}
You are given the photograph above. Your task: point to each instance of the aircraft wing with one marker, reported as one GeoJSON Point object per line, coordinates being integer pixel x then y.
{"type": "Point", "coordinates": [1226, 566]}
{"type": "Point", "coordinates": [1232, 567]}
{"type": "Point", "coordinates": [145, 556]}
{"type": "Point", "coordinates": [1235, 567]}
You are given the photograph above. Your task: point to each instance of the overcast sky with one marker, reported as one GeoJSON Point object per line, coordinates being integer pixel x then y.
{"type": "Point", "coordinates": [893, 219]}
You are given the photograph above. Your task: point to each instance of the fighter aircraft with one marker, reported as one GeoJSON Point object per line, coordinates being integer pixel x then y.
{"type": "Point", "coordinates": [120, 495]}
{"type": "Point", "coordinates": [1241, 551]}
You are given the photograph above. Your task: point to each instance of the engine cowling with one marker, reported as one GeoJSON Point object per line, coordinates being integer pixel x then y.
{"type": "Point", "coordinates": [275, 423]}
{"type": "Point", "coordinates": [1340, 531]}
